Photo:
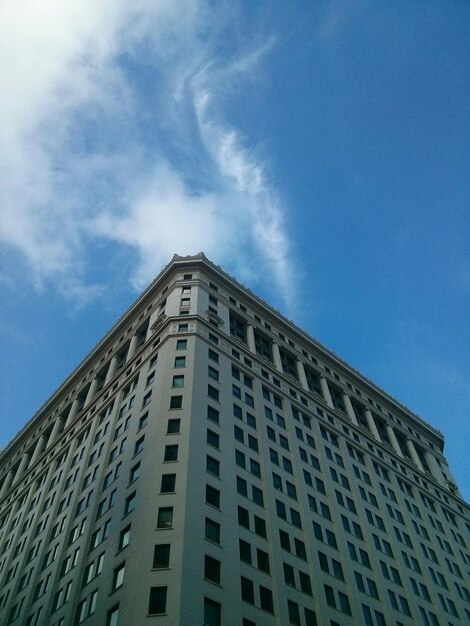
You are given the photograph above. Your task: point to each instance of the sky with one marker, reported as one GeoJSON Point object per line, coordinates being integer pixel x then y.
{"type": "Point", "coordinates": [318, 151]}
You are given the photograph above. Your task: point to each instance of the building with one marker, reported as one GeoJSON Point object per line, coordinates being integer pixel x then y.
{"type": "Point", "coordinates": [210, 463]}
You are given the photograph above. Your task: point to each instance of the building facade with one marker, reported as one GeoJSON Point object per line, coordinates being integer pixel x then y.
{"type": "Point", "coordinates": [208, 463]}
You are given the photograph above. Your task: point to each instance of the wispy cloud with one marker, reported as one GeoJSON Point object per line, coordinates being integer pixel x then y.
{"type": "Point", "coordinates": [115, 129]}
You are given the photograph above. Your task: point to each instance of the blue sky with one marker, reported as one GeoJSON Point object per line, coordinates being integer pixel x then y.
{"type": "Point", "coordinates": [326, 141]}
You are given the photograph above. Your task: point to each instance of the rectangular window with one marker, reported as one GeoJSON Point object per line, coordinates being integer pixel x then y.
{"type": "Point", "coordinates": [211, 569]}
{"type": "Point", "coordinates": [213, 414]}
{"type": "Point", "coordinates": [124, 537]}
{"type": "Point", "coordinates": [176, 402]}
{"type": "Point", "coordinates": [212, 465]}
{"type": "Point", "coordinates": [165, 517]}
{"type": "Point", "coordinates": [266, 599]}
{"type": "Point", "coordinates": [118, 577]}
{"type": "Point", "coordinates": [248, 592]}
{"type": "Point", "coordinates": [180, 361]}
{"type": "Point", "coordinates": [173, 426]}
{"type": "Point", "coordinates": [212, 392]}
{"type": "Point", "coordinates": [157, 600]}
{"type": "Point", "coordinates": [212, 496]}
{"type": "Point", "coordinates": [213, 373]}
{"type": "Point", "coordinates": [146, 399]}
{"type": "Point", "coordinates": [139, 445]}
{"type": "Point", "coordinates": [168, 483]}
{"type": "Point", "coordinates": [212, 530]}
{"type": "Point", "coordinates": [178, 380]}
{"type": "Point", "coordinates": [134, 473]}
{"type": "Point", "coordinates": [161, 556]}
{"type": "Point", "coordinates": [171, 453]}
{"type": "Point", "coordinates": [212, 613]}
{"type": "Point", "coordinates": [212, 438]}
{"type": "Point", "coordinates": [181, 344]}
{"type": "Point", "coordinates": [129, 504]}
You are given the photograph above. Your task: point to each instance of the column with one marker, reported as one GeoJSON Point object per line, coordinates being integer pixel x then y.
{"type": "Point", "coordinates": [326, 391]}
{"type": "Point", "coordinates": [73, 412]}
{"type": "Point", "coordinates": [413, 454]}
{"type": "Point", "coordinates": [250, 338]}
{"type": "Point", "coordinates": [371, 424]}
{"type": "Point", "coordinates": [277, 357]}
{"type": "Point", "coordinates": [22, 467]}
{"type": "Point", "coordinates": [91, 391]}
{"type": "Point", "coordinates": [57, 428]}
{"type": "Point", "coordinates": [393, 440]}
{"type": "Point", "coordinates": [39, 449]}
{"type": "Point", "coordinates": [132, 347]}
{"type": "Point", "coordinates": [349, 409]}
{"type": "Point", "coordinates": [433, 466]}
{"type": "Point", "coordinates": [7, 482]}
{"type": "Point", "coordinates": [301, 374]}
{"type": "Point", "coordinates": [111, 369]}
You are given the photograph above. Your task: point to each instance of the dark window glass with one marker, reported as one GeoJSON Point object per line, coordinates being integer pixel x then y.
{"type": "Point", "coordinates": [212, 613]}
{"type": "Point", "coordinates": [176, 402]}
{"type": "Point", "coordinates": [173, 426]}
{"type": "Point", "coordinates": [171, 453]}
{"type": "Point", "coordinates": [161, 556]}
{"type": "Point", "coordinates": [212, 465]}
{"type": "Point", "coordinates": [212, 496]}
{"type": "Point", "coordinates": [248, 592]}
{"type": "Point", "coordinates": [211, 569]}
{"type": "Point", "coordinates": [212, 530]}
{"type": "Point", "coordinates": [168, 483]}
{"type": "Point", "coordinates": [157, 600]}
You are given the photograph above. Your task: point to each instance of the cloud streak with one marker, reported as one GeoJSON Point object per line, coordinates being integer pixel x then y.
{"type": "Point", "coordinates": [115, 130]}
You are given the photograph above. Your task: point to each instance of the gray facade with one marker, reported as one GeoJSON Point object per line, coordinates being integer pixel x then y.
{"type": "Point", "coordinates": [208, 463]}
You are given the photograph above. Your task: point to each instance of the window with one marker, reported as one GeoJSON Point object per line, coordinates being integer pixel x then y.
{"type": "Point", "coordinates": [143, 420]}
{"type": "Point", "coordinates": [129, 504]}
{"type": "Point", "coordinates": [180, 361]}
{"type": "Point", "coordinates": [212, 613]}
{"type": "Point", "coordinates": [212, 530]}
{"type": "Point", "coordinates": [157, 600]}
{"type": "Point", "coordinates": [181, 344]}
{"type": "Point", "coordinates": [161, 556]}
{"type": "Point", "coordinates": [173, 426]}
{"type": "Point", "coordinates": [168, 483]}
{"type": "Point", "coordinates": [165, 517]}
{"type": "Point", "coordinates": [294, 614]}
{"type": "Point", "coordinates": [244, 549]}
{"type": "Point", "coordinates": [212, 465]}
{"type": "Point", "coordinates": [212, 438]}
{"type": "Point", "coordinates": [213, 355]}
{"type": "Point", "coordinates": [118, 577]}
{"type": "Point", "coordinates": [176, 402]}
{"type": "Point", "coordinates": [146, 399]}
{"type": "Point", "coordinates": [171, 453]}
{"type": "Point", "coordinates": [211, 569]}
{"type": "Point", "coordinates": [178, 380]}
{"type": "Point", "coordinates": [248, 592]}
{"type": "Point", "coordinates": [124, 537]}
{"type": "Point", "coordinates": [183, 328]}
{"type": "Point", "coordinates": [134, 473]}
{"type": "Point", "coordinates": [139, 445]}
{"type": "Point", "coordinates": [213, 373]}
{"type": "Point", "coordinates": [112, 616]}
{"type": "Point", "coordinates": [212, 496]}
{"type": "Point", "coordinates": [212, 392]}
{"type": "Point", "coordinates": [266, 599]}
{"type": "Point", "coordinates": [213, 414]}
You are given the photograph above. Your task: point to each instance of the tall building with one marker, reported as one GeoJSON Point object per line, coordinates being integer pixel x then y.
{"type": "Point", "coordinates": [208, 463]}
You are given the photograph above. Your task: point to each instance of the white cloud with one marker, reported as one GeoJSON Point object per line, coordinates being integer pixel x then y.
{"type": "Point", "coordinates": [80, 162]}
